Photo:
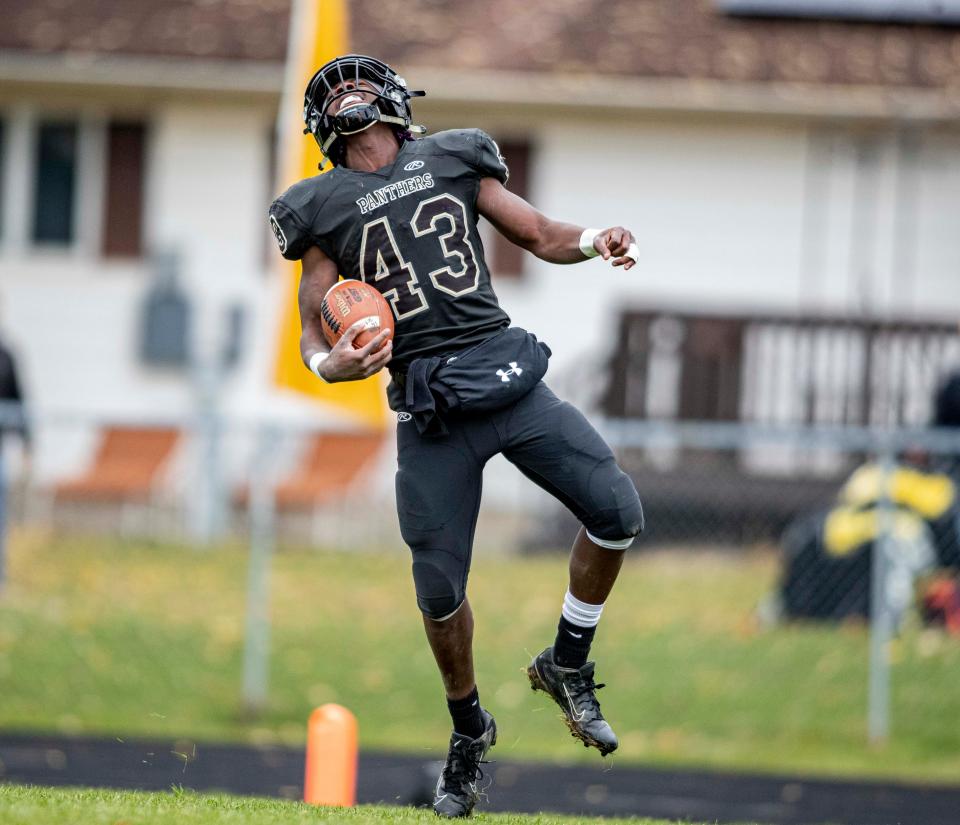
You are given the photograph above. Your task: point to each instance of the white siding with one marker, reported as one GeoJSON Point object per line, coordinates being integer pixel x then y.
{"type": "Point", "coordinates": [206, 203]}
{"type": "Point", "coordinates": [731, 214]}
{"type": "Point", "coordinates": [738, 217]}
{"type": "Point", "coordinates": [936, 286]}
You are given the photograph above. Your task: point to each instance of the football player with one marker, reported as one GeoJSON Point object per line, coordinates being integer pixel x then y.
{"type": "Point", "coordinates": [400, 213]}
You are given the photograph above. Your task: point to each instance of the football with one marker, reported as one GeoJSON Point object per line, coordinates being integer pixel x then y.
{"type": "Point", "coordinates": [347, 302]}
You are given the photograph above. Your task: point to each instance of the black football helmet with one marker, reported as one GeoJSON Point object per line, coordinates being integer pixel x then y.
{"type": "Point", "coordinates": [391, 105]}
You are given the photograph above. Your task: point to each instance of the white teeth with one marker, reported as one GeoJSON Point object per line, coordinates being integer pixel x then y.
{"type": "Point", "coordinates": [349, 100]}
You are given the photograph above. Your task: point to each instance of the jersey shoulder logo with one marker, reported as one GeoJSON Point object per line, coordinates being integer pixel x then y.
{"type": "Point", "coordinates": [281, 238]}
{"type": "Point", "coordinates": [414, 164]}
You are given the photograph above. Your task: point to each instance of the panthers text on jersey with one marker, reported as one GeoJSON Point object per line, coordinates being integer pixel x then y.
{"type": "Point", "coordinates": [410, 230]}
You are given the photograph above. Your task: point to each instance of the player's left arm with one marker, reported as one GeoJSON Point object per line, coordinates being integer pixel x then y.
{"type": "Point", "coordinates": [553, 241]}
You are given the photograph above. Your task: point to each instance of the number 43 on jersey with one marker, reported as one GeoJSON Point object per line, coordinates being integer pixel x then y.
{"type": "Point", "coordinates": [382, 264]}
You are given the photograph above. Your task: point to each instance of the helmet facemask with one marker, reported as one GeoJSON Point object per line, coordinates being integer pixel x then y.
{"type": "Point", "coordinates": [391, 102]}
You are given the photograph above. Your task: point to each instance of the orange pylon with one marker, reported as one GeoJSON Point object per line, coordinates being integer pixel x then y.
{"type": "Point", "coordinates": [331, 773]}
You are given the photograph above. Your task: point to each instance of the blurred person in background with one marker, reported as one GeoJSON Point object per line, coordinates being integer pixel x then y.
{"type": "Point", "coordinates": [393, 207]}
{"type": "Point", "coordinates": [940, 599]}
{"type": "Point", "coordinates": [828, 556]}
{"type": "Point", "coordinates": [12, 420]}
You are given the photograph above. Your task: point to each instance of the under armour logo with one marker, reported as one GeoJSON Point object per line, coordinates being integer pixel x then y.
{"type": "Point", "coordinates": [514, 370]}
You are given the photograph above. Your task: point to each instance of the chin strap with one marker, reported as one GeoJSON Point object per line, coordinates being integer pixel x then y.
{"type": "Point", "coordinates": [381, 118]}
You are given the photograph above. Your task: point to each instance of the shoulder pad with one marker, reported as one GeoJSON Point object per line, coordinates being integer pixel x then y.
{"type": "Point", "coordinates": [292, 215]}
{"type": "Point", "coordinates": [475, 148]}
{"type": "Point", "coordinates": [454, 141]}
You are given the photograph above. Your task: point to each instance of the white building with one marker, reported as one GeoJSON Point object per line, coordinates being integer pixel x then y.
{"type": "Point", "coordinates": [765, 164]}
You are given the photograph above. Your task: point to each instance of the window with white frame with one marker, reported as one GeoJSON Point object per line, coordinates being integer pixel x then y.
{"type": "Point", "coordinates": [79, 182]}
{"type": "Point", "coordinates": [54, 182]}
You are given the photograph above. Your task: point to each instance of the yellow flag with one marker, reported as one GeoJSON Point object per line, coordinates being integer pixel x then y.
{"type": "Point", "coordinates": [318, 33]}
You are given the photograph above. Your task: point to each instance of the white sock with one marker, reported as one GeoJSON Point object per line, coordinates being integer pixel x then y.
{"type": "Point", "coordinates": [580, 613]}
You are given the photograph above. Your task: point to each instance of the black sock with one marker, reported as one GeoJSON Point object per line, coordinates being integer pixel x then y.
{"type": "Point", "coordinates": [466, 716]}
{"type": "Point", "coordinates": [573, 644]}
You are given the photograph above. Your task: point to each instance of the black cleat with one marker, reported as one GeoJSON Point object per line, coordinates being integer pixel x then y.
{"type": "Point", "coordinates": [573, 689]}
{"type": "Point", "coordinates": [457, 790]}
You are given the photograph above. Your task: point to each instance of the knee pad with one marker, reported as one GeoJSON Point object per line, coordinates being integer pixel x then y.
{"type": "Point", "coordinates": [620, 520]}
{"type": "Point", "coordinates": [439, 593]}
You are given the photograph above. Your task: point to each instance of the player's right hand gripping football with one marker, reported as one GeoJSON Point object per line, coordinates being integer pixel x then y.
{"type": "Point", "coordinates": [348, 364]}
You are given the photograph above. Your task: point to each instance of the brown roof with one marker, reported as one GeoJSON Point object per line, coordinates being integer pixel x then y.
{"type": "Point", "coordinates": [212, 29]}
{"type": "Point", "coordinates": [643, 38]}
{"type": "Point", "coordinates": [654, 38]}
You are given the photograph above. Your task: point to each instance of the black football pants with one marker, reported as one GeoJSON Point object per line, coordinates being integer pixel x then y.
{"type": "Point", "coordinates": [439, 480]}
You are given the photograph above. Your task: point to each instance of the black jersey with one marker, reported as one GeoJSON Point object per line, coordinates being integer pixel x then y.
{"type": "Point", "coordinates": [410, 230]}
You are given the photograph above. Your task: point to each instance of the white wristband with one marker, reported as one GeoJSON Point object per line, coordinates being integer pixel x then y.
{"type": "Point", "coordinates": [633, 252]}
{"type": "Point", "coordinates": [315, 361]}
{"type": "Point", "coordinates": [586, 242]}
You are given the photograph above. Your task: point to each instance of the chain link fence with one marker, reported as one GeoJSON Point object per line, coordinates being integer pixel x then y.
{"type": "Point", "coordinates": [848, 533]}
{"type": "Point", "coordinates": [864, 524]}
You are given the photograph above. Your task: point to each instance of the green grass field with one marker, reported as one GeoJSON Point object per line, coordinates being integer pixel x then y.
{"type": "Point", "coordinates": [98, 636]}
{"type": "Point", "coordinates": [21, 805]}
